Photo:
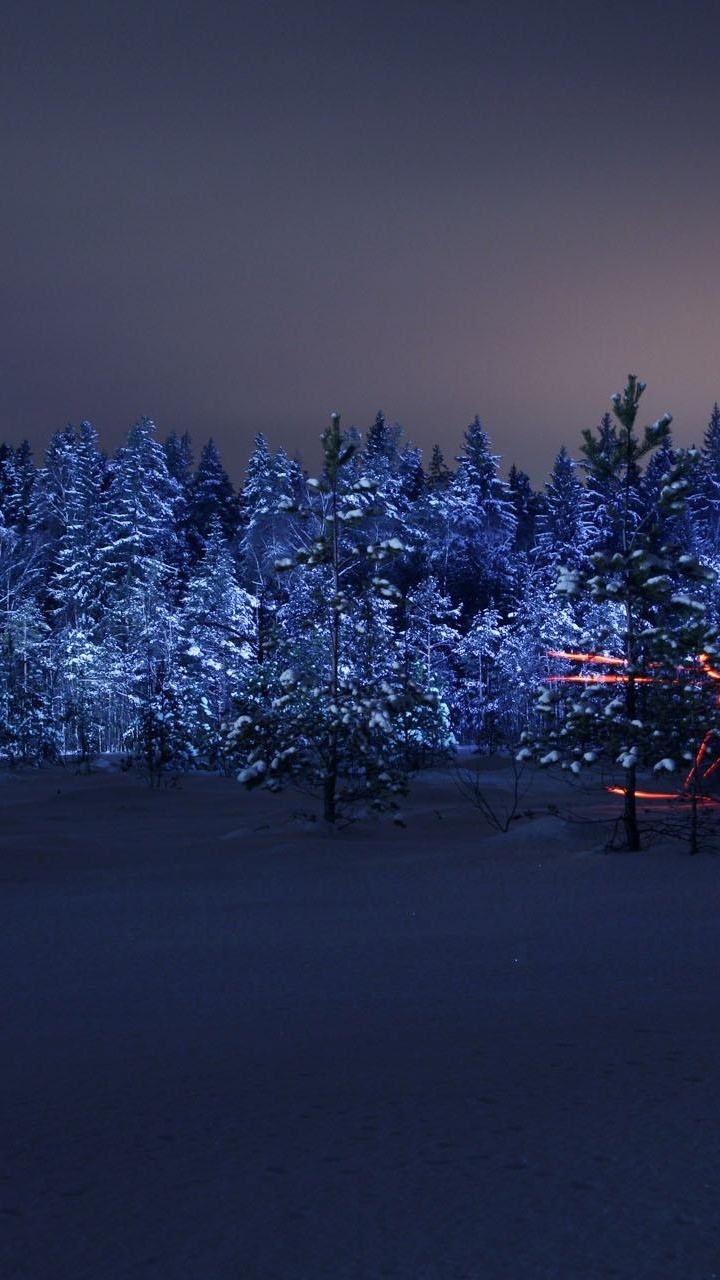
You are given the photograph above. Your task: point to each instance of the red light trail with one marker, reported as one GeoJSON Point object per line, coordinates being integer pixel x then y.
{"type": "Point", "coordinates": [680, 796]}
{"type": "Point", "coordinates": [623, 678]}
{"type": "Point", "coordinates": [585, 657]}
{"type": "Point", "coordinates": [593, 679]}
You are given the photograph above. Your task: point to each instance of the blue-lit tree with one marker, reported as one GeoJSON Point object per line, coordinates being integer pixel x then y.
{"type": "Point", "coordinates": [141, 564]}
{"type": "Point", "coordinates": [211, 498]}
{"type": "Point", "coordinates": [651, 590]}
{"type": "Point", "coordinates": [217, 646]}
{"type": "Point", "coordinates": [69, 518]}
{"type": "Point", "coordinates": [332, 706]}
{"type": "Point", "coordinates": [565, 525]}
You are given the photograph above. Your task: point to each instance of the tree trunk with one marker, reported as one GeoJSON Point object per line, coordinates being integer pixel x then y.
{"type": "Point", "coordinates": [694, 789]}
{"type": "Point", "coordinates": [632, 831]}
{"type": "Point", "coordinates": [330, 780]}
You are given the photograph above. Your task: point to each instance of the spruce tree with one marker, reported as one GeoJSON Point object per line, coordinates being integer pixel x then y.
{"type": "Point", "coordinates": [525, 505]}
{"type": "Point", "coordinates": [438, 471]}
{"type": "Point", "coordinates": [706, 498]}
{"type": "Point", "coordinates": [211, 497]}
{"type": "Point", "coordinates": [564, 525]}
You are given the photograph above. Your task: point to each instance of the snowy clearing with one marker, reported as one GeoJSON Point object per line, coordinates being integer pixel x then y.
{"type": "Point", "coordinates": [239, 1047]}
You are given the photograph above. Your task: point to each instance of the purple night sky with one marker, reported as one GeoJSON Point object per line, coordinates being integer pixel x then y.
{"type": "Point", "coordinates": [237, 217]}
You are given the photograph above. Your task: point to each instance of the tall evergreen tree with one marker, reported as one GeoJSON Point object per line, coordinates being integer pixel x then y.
{"type": "Point", "coordinates": [565, 529]}
{"type": "Point", "coordinates": [705, 500]}
{"type": "Point", "coordinates": [525, 506]}
{"type": "Point", "coordinates": [218, 645]}
{"type": "Point", "coordinates": [338, 711]}
{"type": "Point", "coordinates": [179, 458]}
{"type": "Point", "coordinates": [141, 562]}
{"type": "Point", "coordinates": [471, 528]}
{"type": "Point", "coordinates": [69, 513]}
{"type": "Point", "coordinates": [211, 497]}
{"type": "Point", "coordinates": [438, 471]}
{"type": "Point", "coordinates": [382, 442]}
{"type": "Point", "coordinates": [638, 575]}
{"type": "Point", "coordinates": [18, 477]}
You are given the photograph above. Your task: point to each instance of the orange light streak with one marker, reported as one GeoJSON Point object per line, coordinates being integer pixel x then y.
{"type": "Point", "coordinates": [661, 795]}
{"type": "Point", "coordinates": [584, 657]}
{"type": "Point", "coordinates": [695, 766]}
{"type": "Point", "coordinates": [645, 795]}
{"type": "Point", "coordinates": [706, 670]}
{"type": "Point", "coordinates": [593, 679]}
{"type": "Point", "coordinates": [705, 664]}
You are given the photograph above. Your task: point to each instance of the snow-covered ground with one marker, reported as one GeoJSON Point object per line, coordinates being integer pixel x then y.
{"type": "Point", "coordinates": [237, 1047]}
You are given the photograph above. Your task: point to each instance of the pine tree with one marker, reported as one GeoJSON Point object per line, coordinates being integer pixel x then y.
{"type": "Point", "coordinates": [564, 525]}
{"type": "Point", "coordinates": [68, 511]}
{"type": "Point", "coordinates": [18, 477]}
{"type": "Point", "coordinates": [525, 506]}
{"type": "Point", "coordinates": [141, 562]}
{"type": "Point", "coordinates": [705, 501]}
{"type": "Point", "coordinates": [639, 576]}
{"type": "Point", "coordinates": [410, 475]}
{"type": "Point", "coordinates": [217, 643]}
{"type": "Point", "coordinates": [179, 458]}
{"type": "Point", "coordinates": [332, 705]}
{"type": "Point", "coordinates": [142, 521]}
{"type": "Point", "coordinates": [271, 497]}
{"type": "Point", "coordinates": [179, 461]}
{"type": "Point", "coordinates": [475, 704]}
{"type": "Point", "coordinates": [381, 442]}
{"type": "Point", "coordinates": [438, 471]}
{"type": "Point", "coordinates": [27, 731]}
{"type": "Point", "coordinates": [482, 527]}
{"type": "Point", "coordinates": [211, 497]}
{"type": "Point", "coordinates": [68, 519]}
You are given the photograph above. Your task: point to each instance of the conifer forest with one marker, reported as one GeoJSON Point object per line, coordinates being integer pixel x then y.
{"type": "Point", "coordinates": [344, 627]}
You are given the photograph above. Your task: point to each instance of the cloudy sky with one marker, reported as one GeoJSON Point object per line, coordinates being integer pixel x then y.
{"type": "Point", "coordinates": [238, 217]}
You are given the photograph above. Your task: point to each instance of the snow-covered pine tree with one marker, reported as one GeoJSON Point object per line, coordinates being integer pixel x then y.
{"type": "Point", "coordinates": [18, 477]}
{"type": "Point", "coordinates": [656, 588]}
{"type": "Point", "coordinates": [141, 563]}
{"type": "Point", "coordinates": [464, 525]}
{"type": "Point", "coordinates": [179, 460]}
{"type": "Point", "coordinates": [565, 527]}
{"type": "Point", "coordinates": [474, 704]}
{"type": "Point", "coordinates": [274, 489]}
{"type": "Point", "coordinates": [330, 707]}
{"type": "Point", "coordinates": [611, 496]}
{"type": "Point", "coordinates": [483, 527]}
{"type": "Point", "coordinates": [431, 630]}
{"type": "Point", "coordinates": [211, 497]}
{"type": "Point", "coordinates": [80, 691]}
{"type": "Point", "coordinates": [438, 471]}
{"type": "Point", "coordinates": [382, 440]}
{"type": "Point", "coordinates": [68, 517]}
{"type": "Point", "coordinates": [410, 474]}
{"type": "Point", "coordinates": [27, 729]}
{"type": "Point", "coordinates": [69, 514]}
{"type": "Point", "coordinates": [525, 505]}
{"type": "Point", "coordinates": [217, 644]}
{"type": "Point", "coordinates": [179, 457]}
{"type": "Point", "coordinates": [537, 623]}
{"type": "Point", "coordinates": [705, 499]}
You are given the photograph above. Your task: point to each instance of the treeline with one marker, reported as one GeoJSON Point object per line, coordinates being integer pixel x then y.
{"type": "Point", "coordinates": [147, 607]}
